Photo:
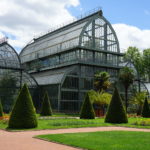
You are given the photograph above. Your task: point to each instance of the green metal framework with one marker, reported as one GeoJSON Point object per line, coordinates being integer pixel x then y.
{"type": "Point", "coordinates": [64, 61]}
{"type": "Point", "coordinates": [12, 76]}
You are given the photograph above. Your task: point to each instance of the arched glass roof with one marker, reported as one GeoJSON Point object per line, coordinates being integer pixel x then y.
{"type": "Point", "coordinates": [8, 57]}
{"type": "Point", "coordinates": [10, 67]}
{"type": "Point", "coordinates": [53, 77]}
{"type": "Point", "coordinates": [99, 34]}
{"type": "Point", "coordinates": [93, 31]}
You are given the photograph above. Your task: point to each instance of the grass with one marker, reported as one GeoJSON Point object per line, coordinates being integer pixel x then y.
{"type": "Point", "coordinates": [106, 140]}
{"type": "Point", "coordinates": [58, 123]}
{"type": "Point", "coordinates": [62, 115]}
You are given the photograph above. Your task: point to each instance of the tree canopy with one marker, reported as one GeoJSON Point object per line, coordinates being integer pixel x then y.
{"type": "Point", "coordinates": [141, 61]}
{"type": "Point", "coordinates": [8, 85]}
{"type": "Point", "coordinates": [102, 98]}
{"type": "Point", "coordinates": [101, 81]}
{"type": "Point", "coordinates": [126, 77]}
{"type": "Point", "coordinates": [146, 62]}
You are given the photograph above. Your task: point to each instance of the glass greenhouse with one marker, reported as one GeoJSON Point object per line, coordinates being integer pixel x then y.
{"type": "Point", "coordinates": [64, 61]}
{"type": "Point", "coordinates": [12, 76]}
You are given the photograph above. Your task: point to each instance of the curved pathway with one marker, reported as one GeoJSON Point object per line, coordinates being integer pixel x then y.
{"type": "Point", "coordinates": [23, 140]}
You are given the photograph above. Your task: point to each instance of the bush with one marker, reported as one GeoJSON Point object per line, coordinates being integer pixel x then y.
{"type": "Point", "coordinates": [87, 111]}
{"type": "Point", "coordinates": [23, 114]}
{"type": "Point", "coordinates": [146, 110]}
{"type": "Point", "coordinates": [1, 109]}
{"type": "Point", "coordinates": [46, 106]}
{"type": "Point", "coordinates": [116, 112]}
{"type": "Point", "coordinates": [142, 122]}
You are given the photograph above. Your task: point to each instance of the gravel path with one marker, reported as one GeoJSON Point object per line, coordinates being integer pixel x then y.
{"type": "Point", "coordinates": [24, 140]}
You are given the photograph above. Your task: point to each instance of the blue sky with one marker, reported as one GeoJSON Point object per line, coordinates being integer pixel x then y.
{"type": "Point", "coordinates": [132, 12]}
{"type": "Point", "coordinates": [23, 20]}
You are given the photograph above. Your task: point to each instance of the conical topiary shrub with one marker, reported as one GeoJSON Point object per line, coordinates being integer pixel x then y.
{"type": "Point", "coordinates": [1, 109]}
{"type": "Point", "coordinates": [23, 114]}
{"type": "Point", "coordinates": [146, 109]}
{"type": "Point", "coordinates": [46, 106]}
{"type": "Point", "coordinates": [116, 112]}
{"type": "Point", "coordinates": [87, 111]}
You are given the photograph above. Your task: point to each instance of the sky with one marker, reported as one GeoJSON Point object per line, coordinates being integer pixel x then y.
{"type": "Point", "coordinates": [22, 20]}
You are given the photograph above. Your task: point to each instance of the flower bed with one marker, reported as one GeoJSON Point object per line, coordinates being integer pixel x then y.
{"type": "Point", "coordinates": [142, 122]}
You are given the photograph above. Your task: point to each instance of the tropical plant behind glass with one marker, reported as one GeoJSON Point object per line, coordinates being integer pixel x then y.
{"type": "Point", "coordinates": [126, 77]}
{"type": "Point", "coordinates": [138, 99]}
{"type": "Point", "coordinates": [101, 81]}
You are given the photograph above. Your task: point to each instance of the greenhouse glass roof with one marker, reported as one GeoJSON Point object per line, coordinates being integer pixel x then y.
{"type": "Point", "coordinates": [10, 65]}
{"type": "Point", "coordinates": [92, 32]}
{"type": "Point", "coordinates": [8, 57]}
{"type": "Point", "coordinates": [52, 77]}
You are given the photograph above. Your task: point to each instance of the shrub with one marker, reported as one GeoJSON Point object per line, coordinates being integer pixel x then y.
{"type": "Point", "coordinates": [146, 109]}
{"type": "Point", "coordinates": [46, 106]}
{"type": "Point", "coordinates": [116, 112]}
{"type": "Point", "coordinates": [23, 114]}
{"type": "Point", "coordinates": [1, 109]}
{"type": "Point", "coordinates": [87, 111]}
{"type": "Point", "coordinates": [142, 122]}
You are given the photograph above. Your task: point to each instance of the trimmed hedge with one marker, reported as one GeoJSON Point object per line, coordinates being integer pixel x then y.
{"type": "Point", "coordinates": [1, 109]}
{"type": "Point", "coordinates": [46, 109]}
{"type": "Point", "coordinates": [87, 111]}
{"type": "Point", "coordinates": [146, 109]}
{"type": "Point", "coordinates": [116, 112]}
{"type": "Point", "coordinates": [23, 114]}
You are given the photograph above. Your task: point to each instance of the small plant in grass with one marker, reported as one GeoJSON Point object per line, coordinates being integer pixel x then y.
{"type": "Point", "coordinates": [142, 122]}
{"type": "Point", "coordinates": [116, 112]}
{"type": "Point", "coordinates": [23, 114]}
{"type": "Point", "coordinates": [146, 109]}
{"type": "Point", "coordinates": [87, 111]}
{"type": "Point", "coordinates": [46, 106]}
{"type": "Point", "coordinates": [1, 110]}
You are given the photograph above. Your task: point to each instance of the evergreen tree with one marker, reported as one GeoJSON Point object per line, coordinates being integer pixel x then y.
{"type": "Point", "coordinates": [23, 114]}
{"type": "Point", "coordinates": [87, 111]}
{"type": "Point", "coordinates": [116, 112]}
{"type": "Point", "coordinates": [1, 109]}
{"type": "Point", "coordinates": [126, 76]}
{"type": "Point", "coordinates": [146, 109]}
{"type": "Point", "coordinates": [46, 106]}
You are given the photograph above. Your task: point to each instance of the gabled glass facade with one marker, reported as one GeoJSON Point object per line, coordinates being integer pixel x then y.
{"type": "Point", "coordinates": [64, 61]}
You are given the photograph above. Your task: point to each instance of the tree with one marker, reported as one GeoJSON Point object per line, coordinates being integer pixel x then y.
{"type": "Point", "coordinates": [102, 98]}
{"type": "Point", "coordinates": [146, 61]}
{"type": "Point", "coordinates": [101, 81]}
{"type": "Point", "coordinates": [138, 99]}
{"type": "Point", "coordinates": [100, 101]}
{"type": "Point", "coordinates": [134, 56]}
{"type": "Point", "coordinates": [87, 111]}
{"type": "Point", "coordinates": [1, 109]}
{"type": "Point", "coordinates": [7, 91]}
{"type": "Point", "coordinates": [146, 109]}
{"type": "Point", "coordinates": [116, 112]}
{"type": "Point", "coordinates": [126, 76]}
{"type": "Point", "coordinates": [46, 106]}
{"type": "Point", "coordinates": [141, 61]}
{"type": "Point", "coordinates": [23, 114]}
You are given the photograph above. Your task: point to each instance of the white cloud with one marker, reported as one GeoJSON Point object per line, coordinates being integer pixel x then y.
{"type": "Point", "coordinates": [22, 20]}
{"type": "Point", "coordinates": [132, 36]}
{"type": "Point", "coordinates": [1, 35]}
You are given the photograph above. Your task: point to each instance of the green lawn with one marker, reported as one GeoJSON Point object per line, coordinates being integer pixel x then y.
{"type": "Point", "coordinates": [106, 140]}
{"type": "Point", "coordinates": [62, 115]}
{"type": "Point", "coordinates": [57, 123]}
